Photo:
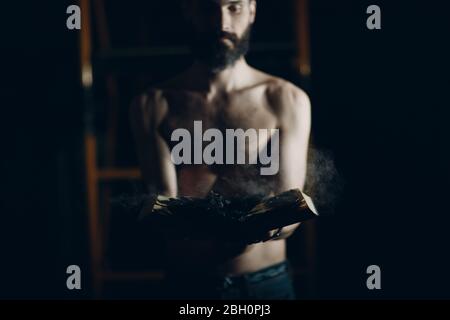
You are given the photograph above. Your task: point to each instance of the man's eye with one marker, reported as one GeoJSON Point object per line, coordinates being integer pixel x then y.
{"type": "Point", "coordinates": [235, 8]}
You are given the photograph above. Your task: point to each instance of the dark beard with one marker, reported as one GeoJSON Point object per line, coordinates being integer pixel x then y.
{"type": "Point", "coordinates": [208, 49]}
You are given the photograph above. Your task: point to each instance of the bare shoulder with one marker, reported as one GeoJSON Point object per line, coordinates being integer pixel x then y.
{"type": "Point", "coordinates": [285, 94]}
{"type": "Point", "coordinates": [151, 107]}
{"type": "Point", "coordinates": [289, 102]}
{"type": "Point", "coordinates": [148, 108]}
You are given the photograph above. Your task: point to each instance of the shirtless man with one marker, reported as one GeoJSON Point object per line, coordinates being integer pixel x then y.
{"type": "Point", "coordinates": [223, 91]}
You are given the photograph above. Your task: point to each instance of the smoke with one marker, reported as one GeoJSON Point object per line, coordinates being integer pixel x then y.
{"type": "Point", "coordinates": [324, 184]}
{"type": "Point", "coordinates": [247, 180]}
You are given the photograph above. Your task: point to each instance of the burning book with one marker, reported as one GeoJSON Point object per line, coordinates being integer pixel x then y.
{"type": "Point", "coordinates": [235, 218]}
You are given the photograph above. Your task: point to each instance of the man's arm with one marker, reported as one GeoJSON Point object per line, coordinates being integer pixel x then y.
{"type": "Point", "coordinates": [146, 114]}
{"type": "Point", "coordinates": [294, 110]}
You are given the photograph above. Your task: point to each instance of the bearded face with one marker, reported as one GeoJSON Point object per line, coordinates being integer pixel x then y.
{"type": "Point", "coordinates": [220, 50]}
{"type": "Point", "coordinates": [221, 31]}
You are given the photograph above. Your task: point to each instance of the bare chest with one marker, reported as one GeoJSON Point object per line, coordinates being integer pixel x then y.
{"type": "Point", "coordinates": [249, 110]}
{"type": "Point", "coordinates": [224, 137]}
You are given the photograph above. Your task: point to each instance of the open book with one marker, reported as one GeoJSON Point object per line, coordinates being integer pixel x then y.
{"type": "Point", "coordinates": [218, 217]}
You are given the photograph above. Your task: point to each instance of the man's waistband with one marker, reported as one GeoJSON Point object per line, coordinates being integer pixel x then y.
{"type": "Point", "coordinates": [263, 274]}
{"type": "Point", "coordinates": [251, 277]}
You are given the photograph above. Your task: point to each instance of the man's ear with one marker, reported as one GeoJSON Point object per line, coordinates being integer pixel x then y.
{"type": "Point", "coordinates": [252, 11]}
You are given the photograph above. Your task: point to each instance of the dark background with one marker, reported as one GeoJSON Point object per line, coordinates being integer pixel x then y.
{"type": "Point", "coordinates": [379, 104]}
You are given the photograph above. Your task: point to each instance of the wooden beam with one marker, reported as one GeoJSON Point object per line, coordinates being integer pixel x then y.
{"type": "Point", "coordinates": [90, 149]}
{"type": "Point", "coordinates": [85, 45]}
{"type": "Point", "coordinates": [119, 174]}
{"type": "Point", "coordinates": [303, 37]}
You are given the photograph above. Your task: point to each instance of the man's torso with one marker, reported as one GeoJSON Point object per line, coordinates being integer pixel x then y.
{"type": "Point", "coordinates": [253, 107]}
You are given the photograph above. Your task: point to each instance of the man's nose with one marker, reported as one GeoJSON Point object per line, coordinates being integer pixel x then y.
{"type": "Point", "coordinates": [225, 21]}
{"type": "Point", "coordinates": [222, 20]}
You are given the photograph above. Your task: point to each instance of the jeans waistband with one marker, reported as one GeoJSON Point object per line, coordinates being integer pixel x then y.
{"type": "Point", "coordinates": [257, 276]}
